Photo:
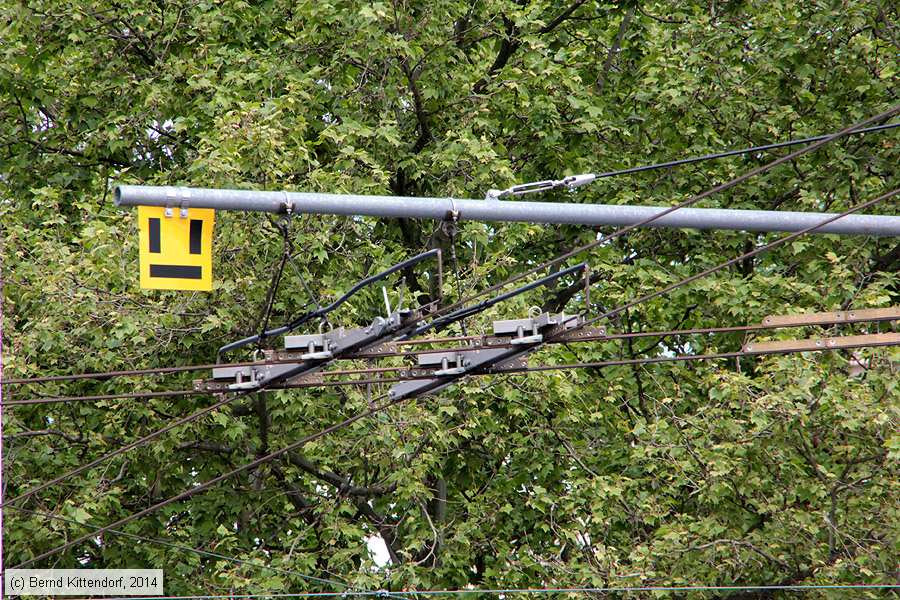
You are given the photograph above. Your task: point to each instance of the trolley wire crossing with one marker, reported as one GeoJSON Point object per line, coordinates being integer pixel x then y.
{"type": "Point", "coordinates": [306, 357]}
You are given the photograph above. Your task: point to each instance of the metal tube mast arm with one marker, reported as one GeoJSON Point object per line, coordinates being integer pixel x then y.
{"type": "Point", "coordinates": [499, 210]}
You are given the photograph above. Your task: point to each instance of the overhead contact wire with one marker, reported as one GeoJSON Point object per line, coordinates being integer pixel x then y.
{"type": "Point", "coordinates": [416, 342]}
{"type": "Point", "coordinates": [494, 371]}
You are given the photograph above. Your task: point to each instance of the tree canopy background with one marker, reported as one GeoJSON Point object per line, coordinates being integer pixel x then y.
{"type": "Point", "coordinates": [777, 470]}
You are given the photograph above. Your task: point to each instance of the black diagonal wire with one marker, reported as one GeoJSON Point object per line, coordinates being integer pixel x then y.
{"type": "Point", "coordinates": [314, 300]}
{"type": "Point", "coordinates": [214, 481]}
{"type": "Point", "coordinates": [276, 277]}
{"type": "Point", "coordinates": [453, 236]}
{"type": "Point", "coordinates": [742, 257]}
{"type": "Point", "coordinates": [181, 547]}
{"type": "Point", "coordinates": [130, 446]}
{"type": "Point", "coordinates": [765, 148]}
{"type": "Point", "coordinates": [823, 140]}
{"type": "Point", "coordinates": [325, 310]}
{"type": "Point", "coordinates": [457, 315]}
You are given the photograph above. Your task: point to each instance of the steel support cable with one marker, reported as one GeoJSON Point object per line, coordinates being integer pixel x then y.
{"type": "Point", "coordinates": [181, 547]}
{"type": "Point", "coordinates": [216, 480]}
{"type": "Point", "coordinates": [727, 153]}
{"type": "Point", "coordinates": [306, 288]}
{"type": "Point", "coordinates": [453, 233]}
{"type": "Point", "coordinates": [493, 371]}
{"type": "Point", "coordinates": [728, 263]}
{"type": "Point", "coordinates": [690, 201]}
{"type": "Point", "coordinates": [284, 229]}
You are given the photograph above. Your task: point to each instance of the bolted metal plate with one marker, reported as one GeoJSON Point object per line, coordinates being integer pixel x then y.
{"type": "Point", "coordinates": [519, 362]}
{"type": "Point", "coordinates": [232, 372]}
{"type": "Point", "coordinates": [207, 385]}
{"type": "Point", "coordinates": [827, 318]}
{"type": "Point", "coordinates": [813, 345]}
{"type": "Point", "coordinates": [374, 351]}
{"type": "Point", "coordinates": [311, 378]}
{"type": "Point", "coordinates": [585, 333]}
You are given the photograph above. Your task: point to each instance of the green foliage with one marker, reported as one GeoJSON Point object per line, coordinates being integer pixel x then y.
{"type": "Point", "coordinates": [774, 470]}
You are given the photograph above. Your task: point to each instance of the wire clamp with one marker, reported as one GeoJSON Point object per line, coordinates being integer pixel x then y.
{"type": "Point", "coordinates": [185, 202]}
{"type": "Point", "coordinates": [453, 213]}
{"type": "Point", "coordinates": [571, 182]}
{"type": "Point", "coordinates": [527, 331]}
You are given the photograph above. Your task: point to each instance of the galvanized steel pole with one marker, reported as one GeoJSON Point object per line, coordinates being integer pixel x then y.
{"type": "Point", "coordinates": [499, 210]}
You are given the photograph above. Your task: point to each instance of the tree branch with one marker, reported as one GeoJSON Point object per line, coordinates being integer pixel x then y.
{"type": "Point", "coordinates": [614, 49]}
{"type": "Point", "coordinates": [341, 483]}
{"type": "Point", "coordinates": [41, 432]}
{"type": "Point", "coordinates": [206, 447]}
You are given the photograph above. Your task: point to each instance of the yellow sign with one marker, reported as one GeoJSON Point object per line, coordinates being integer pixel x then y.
{"type": "Point", "coordinates": [176, 250]}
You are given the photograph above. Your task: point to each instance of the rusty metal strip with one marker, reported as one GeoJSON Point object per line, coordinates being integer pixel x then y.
{"type": "Point", "coordinates": [832, 343]}
{"type": "Point", "coordinates": [307, 378]}
{"type": "Point", "coordinates": [513, 364]}
{"type": "Point", "coordinates": [383, 349]}
{"type": "Point", "coordinates": [584, 334]}
{"type": "Point", "coordinates": [210, 385]}
{"type": "Point", "coordinates": [827, 318]}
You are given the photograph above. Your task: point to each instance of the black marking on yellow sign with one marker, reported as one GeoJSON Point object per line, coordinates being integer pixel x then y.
{"type": "Point", "coordinates": [176, 250]}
